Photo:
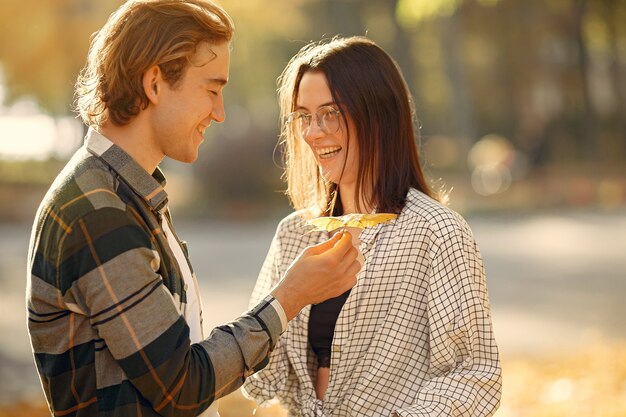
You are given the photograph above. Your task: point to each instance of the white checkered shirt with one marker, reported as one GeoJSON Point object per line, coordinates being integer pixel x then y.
{"type": "Point", "coordinates": [414, 337]}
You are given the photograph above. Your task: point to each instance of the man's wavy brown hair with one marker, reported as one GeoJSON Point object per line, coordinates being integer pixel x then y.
{"type": "Point", "coordinates": [139, 35]}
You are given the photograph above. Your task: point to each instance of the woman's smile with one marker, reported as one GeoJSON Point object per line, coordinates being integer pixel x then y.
{"type": "Point", "coordinates": [327, 152]}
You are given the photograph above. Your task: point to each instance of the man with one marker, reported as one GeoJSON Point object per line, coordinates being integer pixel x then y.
{"type": "Point", "coordinates": [114, 315]}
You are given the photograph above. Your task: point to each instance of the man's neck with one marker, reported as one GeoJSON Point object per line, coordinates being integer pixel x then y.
{"type": "Point", "coordinates": [136, 141]}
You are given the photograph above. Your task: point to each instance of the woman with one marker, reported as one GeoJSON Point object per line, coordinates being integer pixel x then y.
{"type": "Point", "coordinates": [414, 336]}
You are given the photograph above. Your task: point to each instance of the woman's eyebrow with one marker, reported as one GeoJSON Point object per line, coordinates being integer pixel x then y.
{"type": "Point", "coordinates": [330, 103]}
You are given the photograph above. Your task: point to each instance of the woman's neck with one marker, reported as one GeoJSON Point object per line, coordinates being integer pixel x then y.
{"type": "Point", "coordinates": [348, 197]}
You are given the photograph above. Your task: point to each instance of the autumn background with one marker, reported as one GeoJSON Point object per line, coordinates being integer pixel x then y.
{"type": "Point", "coordinates": [522, 105]}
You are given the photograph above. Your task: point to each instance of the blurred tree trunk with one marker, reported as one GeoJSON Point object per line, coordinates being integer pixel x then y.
{"type": "Point", "coordinates": [611, 14]}
{"type": "Point", "coordinates": [401, 46]}
{"type": "Point", "coordinates": [587, 142]}
{"type": "Point", "coordinates": [462, 111]}
{"type": "Point", "coordinates": [402, 50]}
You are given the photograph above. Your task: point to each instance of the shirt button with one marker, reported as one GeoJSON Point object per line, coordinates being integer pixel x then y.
{"type": "Point", "coordinates": [185, 286]}
{"type": "Point", "coordinates": [336, 348]}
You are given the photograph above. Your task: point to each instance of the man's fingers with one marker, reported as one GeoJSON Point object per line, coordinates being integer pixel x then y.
{"type": "Point", "coordinates": [344, 244]}
{"type": "Point", "coordinates": [338, 244]}
{"type": "Point", "coordinates": [354, 268]}
{"type": "Point", "coordinates": [350, 255]}
{"type": "Point", "coordinates": [324, 246]}
{"type": "Point", "coordinates": [348, 279]}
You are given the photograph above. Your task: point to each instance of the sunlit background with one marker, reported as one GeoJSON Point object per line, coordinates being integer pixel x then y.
{"type": "Point", "coordinates": [522, 107]}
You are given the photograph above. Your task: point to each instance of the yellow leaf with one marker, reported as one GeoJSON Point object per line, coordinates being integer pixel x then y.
{"type": "Point", "coordinates": [350, 220]}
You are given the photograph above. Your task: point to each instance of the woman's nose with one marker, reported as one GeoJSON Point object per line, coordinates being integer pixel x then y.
{"type": "Point", "coordinates": [314, 131]}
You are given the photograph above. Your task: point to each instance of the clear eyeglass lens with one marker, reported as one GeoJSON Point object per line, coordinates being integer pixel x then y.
{"type": "Point", "coordinates": [304, 122]}
{"type": "Point", "coordinates": [327, 118]}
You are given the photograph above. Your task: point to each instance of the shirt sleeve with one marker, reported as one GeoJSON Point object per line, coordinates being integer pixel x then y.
{"type": "Point", "coordinates": [110, 264]}
{"type": "Point", "coordinates": [281, 314]}
{"type": "Point", "coordinates": [464, 377]}
{"type": "Point", "coordinates": [269, 382]}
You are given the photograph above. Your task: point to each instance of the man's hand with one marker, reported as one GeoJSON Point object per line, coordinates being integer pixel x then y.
{"type": "Point", "coordinates": [320, 272]}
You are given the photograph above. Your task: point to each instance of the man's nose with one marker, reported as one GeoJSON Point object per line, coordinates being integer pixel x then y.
{"type": "Point", "coordinates": [219, 114]}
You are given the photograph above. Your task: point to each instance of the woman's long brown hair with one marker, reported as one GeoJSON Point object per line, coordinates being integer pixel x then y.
{"type": "Point", "coordinates": [368, 86]}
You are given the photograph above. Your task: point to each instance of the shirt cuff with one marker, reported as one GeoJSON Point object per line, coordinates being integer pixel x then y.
{"type": "Point", "coordinates": [281, 313]}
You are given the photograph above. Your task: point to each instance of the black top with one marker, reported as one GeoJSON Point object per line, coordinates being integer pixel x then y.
{"type": "Point", "coordinates": [322, 326]}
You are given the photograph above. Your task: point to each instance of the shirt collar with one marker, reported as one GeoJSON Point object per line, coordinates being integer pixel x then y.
{"type": "Point", "coordinates": [370, 233]}
{"type": "Point", "coordinates": [149, 187]}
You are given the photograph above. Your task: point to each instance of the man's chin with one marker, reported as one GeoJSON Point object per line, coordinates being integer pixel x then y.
{"type": "Point", "coordinates": [187, 159]}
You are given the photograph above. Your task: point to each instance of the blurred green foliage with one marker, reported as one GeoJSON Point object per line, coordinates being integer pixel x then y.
{"type": "Point", "coordinates": [548, 76]}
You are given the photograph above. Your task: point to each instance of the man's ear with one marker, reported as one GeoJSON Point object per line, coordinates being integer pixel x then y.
{"type": "Point", "coordinates": [152, 82]}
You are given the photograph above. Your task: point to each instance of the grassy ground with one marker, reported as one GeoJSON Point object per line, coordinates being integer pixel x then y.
{"type": "Point", "coordinates": [590, 383]}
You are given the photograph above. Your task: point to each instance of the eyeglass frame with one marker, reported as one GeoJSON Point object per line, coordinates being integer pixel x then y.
{"type": "Point", "coordinates": [291, 119]}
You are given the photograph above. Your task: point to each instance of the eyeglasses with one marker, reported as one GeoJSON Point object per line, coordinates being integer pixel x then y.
{"type": "Point", "coordinates": [327, 118]}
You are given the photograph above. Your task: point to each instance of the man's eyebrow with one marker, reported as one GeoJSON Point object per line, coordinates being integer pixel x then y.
{"type": "Point", "coordinates": [220, 81]}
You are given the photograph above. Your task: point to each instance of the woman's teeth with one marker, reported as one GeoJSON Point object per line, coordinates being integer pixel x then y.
{"type": "Point", "coordinates": [329, 152]}
{"type": "Point", "coordinates": [201, 130]}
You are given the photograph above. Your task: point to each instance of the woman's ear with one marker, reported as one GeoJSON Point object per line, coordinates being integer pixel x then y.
{"type": "Point", "coordinates": [152, 80]}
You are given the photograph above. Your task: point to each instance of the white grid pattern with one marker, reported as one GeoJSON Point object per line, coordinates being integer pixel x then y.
{"type": "Point", "coordinates": [414, 337]}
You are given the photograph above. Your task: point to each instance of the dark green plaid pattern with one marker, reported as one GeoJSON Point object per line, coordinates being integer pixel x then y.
{"type": "Point", "coordinates": [105, 296]}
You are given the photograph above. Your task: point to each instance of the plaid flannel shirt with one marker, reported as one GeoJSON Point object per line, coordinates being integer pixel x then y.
{"type": "Point", "coordinates": [414, 337]}
{"type": "Point", "coordinates": [105, 299]}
